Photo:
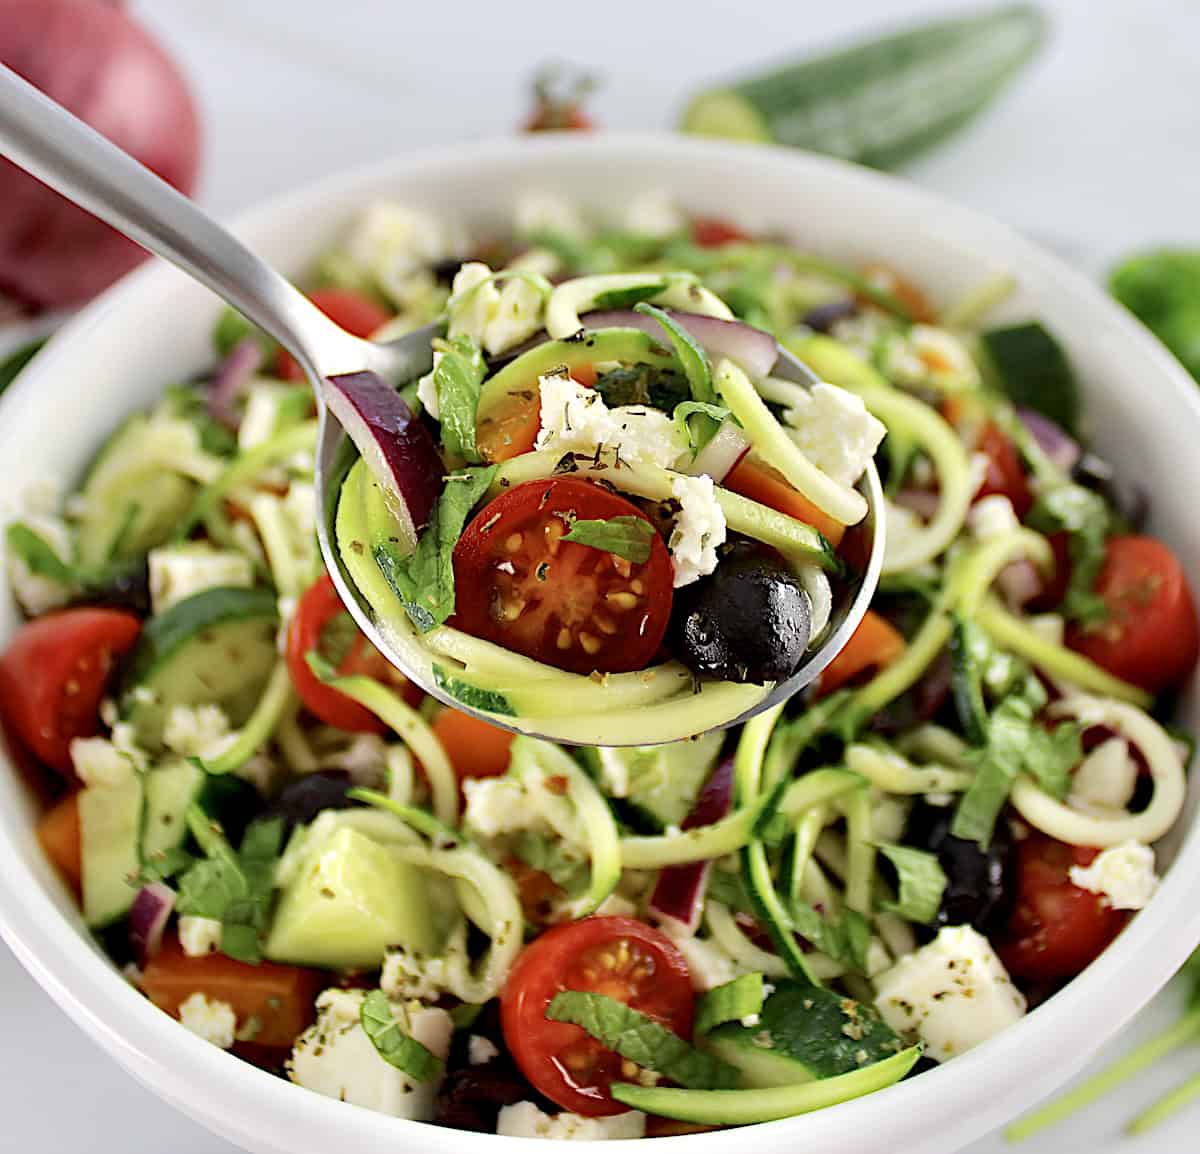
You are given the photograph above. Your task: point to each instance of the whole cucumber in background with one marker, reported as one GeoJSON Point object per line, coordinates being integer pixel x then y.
{"type": "Point", "coordinates": [1162, 289]}
{"type": "Point", "coordinates": [881, 102]}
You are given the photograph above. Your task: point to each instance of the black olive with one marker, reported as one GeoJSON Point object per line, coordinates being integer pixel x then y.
{"type": "Point", "coordinates": [232, 803]}
{"type": "Point", "coordinates": [749, 621]}
{"type": "Point", "coordinates": [303, 799]}
{"type": "Point", "coordinates": [1130, 500]}
{"type": "Point", "coordinates": [979, 888]}
{"type": "Point", "coordinates": [822, 318]}
{"type": "Point", "coordinates": [127, 587]}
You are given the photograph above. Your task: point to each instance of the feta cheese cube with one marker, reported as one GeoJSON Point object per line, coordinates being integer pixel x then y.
{"type": "Point", "coordinates": [199, 936]}
{"type": "Point", "coordinates": [480, 1051]}
{"type": "Point", "coordinates": [525, 1120]}
{"type": "Point", "coordinates": [1122, 874]}
{"type": "Point", "coordinates": [474, 301]}
{"type": "Point", "coordinates": [335, 1057]}
{"type": "Point", "coordinates": [834, 430]}
{"type": "Point", "coordinates": [396, 243]}
{"type": "Point", "coordinates": [1106, 779]}
{"type": "Point", "coordinates": [709, 965]}
{"type": "Point", "coordinates": [214, 1021]}
{"type": "Point", "coordinates": [98, 762]}
{"type": "Point", "coordinates": [497, 806]}
{"type": "Point", "coordinates": [953, 993]}
{"type": "Point", "coordinates": [427, 389]}
{"type": "Point", "coordinates": [517, 317]}
{"type": "Point", "coordinates": [991, 517]}
{"type": "Point", "coordinates": [699, 529]}
{"type": "Point", "coordinates": [178, 572]}
{"type": "Point", "coordinates": [576, 418]}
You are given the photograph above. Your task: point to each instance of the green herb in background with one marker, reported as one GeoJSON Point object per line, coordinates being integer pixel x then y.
{"type": "Point", "coordinates": [1162, 289]}
{"type": "Point", "coordinates": [881, 102]}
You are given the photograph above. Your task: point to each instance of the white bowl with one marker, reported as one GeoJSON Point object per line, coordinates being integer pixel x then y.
{"type": "Point", "coordinates": [152, 329]}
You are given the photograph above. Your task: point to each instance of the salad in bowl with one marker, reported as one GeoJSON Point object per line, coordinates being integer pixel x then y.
{"type": "Point", "coordinates": [310, 863]}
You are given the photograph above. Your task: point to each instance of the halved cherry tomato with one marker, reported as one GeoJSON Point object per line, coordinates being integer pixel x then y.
{"type": "Point", "coordinates": [713, 232]}
{"type": "Point", "coordinates": [1150, 635]}
{"type": "Point", "coordinates": [511, 428]}
{"type": "Point", "coordinates": [54, 674]}
{"type": "Point", "coordinates": [1005, 474]}
{"type": "Point", "coordinates": [761, 483]}
{"type": "Point", "coordinates": [577, 608]}
{"type": "Point", "coordinates": [620, 957]}
{"type": "Point", "coordinates": [475, 748]}
{"type": "Point", "coordinates": [1057, 928]}
{"type": "Point", "coordinates": [278, 998]}
{"type": "Point", "coordinates": [58, 832]}
{"type": "Point", "coordinates": [873, 646]}
{"type": "Point", "coordinates": [355, 312]}
{"type": "Point", "coordinates": [318, 617]}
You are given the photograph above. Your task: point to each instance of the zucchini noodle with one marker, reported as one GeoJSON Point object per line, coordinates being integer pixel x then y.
{"type": "Point", "coordinates": [278, 697]}
{"type": "Point", "coordinates": [860, 851]}
{"type": "Point", "coordinates": [971, 575]}
{"type": "Point", "coordinates": [289, 572]}
{"type": "Point", "coordinates": [727, 934]}
{"type": "Point", "coordinates": [808, 829]}
{"type": "Point", "coordinates": [293, 744]}
{"type": "Point", "coordinates": [894, 774]}
{"type": "Point", "coordinates": [401, 776]}
{"type": "Point", "coordinates": [1063, 822]}
{"type": "Point", "coordinates": [751, 750]}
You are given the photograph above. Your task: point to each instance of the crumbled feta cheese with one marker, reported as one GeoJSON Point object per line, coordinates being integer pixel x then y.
{"type": "Point", "coordinates": [407, 976]}
{"type": "Point", "coordinates": [709, 965]}
{"type": "Point", "coordinates": [576, 418]}
{"type": "Point", "coordinates": [834, 430]}
{"type": "Point", "coordinates": [655, 213]}
{"type": "Point", "coordinates": [699, 529]}
{"type": "Point", "coordinates": [396, 244]}
{"type": "Point", "coordinates": [199, 936]}
{"type": "Point", "coordinates": [953, 993]}
{"type": "Point", "coordinates": [107, 761]}
{"type": "Point", "coordinates": [992, 516]}
{"type": "Point", "coordinates": [525, 1120]}
{"type": "Point", "coordinates": [751, 1020]}
{"type": "Point", "coordinates": [480, 1051]}
{"type": "Point", "coordinates": [498, 806]}
{"type": "Point", "coordinates": [364, 758]}
{"type": "Point", "coordinates": [178, 572]}
{"type": "Point", "coordinates": [199, 731]}
{"type": "Point", "coordinates": [1106, 779]}
{"type": "Point", "coordinates": [544, 212]}
{"type": "Point", "coordinates": [518, 316]}
{"type": "Point", "coordinates": [213, 1021]}
{"type": "Point", "coordinates": [474, 301]}
{"type": "Point", "coordinates": [1123, 875]}
{"type": "Point", "coordinates": [427, 389]}
{"type": "Point", "coordinates": [335, 1057]}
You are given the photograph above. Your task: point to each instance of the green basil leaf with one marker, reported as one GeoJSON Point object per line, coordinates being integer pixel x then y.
{"type": "Point", "coordinates": [731, 1002]}
{"type": "Point", "coordinates": [642, 1040]}
{"type": "Point", "coordinates": [692, 358]}
{"type": "Point", "coordinates": [626, 536]}
{"type": "Point", "coordinates": [424, 581]}
{"type": "Point", "coordinates": [392, 1044]}
{"type": "Point", "coordinates": [1034, 371]}
{"type": "Point", "coordinates": [699, 422]}
{"type": "Point", "coordinates": [922, 883]}
{"type": "Point", "coordinates": [844, 938]}
{"type": "Point", "coordinates": [458, 379]}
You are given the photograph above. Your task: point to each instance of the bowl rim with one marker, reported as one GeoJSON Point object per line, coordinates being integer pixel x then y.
{"type": "Point", "coordinates": [246, 1103]}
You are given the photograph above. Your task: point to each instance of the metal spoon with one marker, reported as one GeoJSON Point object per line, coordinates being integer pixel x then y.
{"type": "Point", "coordinates": [63, 152]}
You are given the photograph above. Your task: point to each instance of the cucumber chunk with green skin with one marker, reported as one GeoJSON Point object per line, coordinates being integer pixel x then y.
{"type": "Point", "coordinates": [216, 648]}
{"type": "Point", "coordinates": [170, 792]}
{"type": "Point", "coordinates": [805, 1033]}
{"type": "Point", "coordinates": [881, 102]}
{"type": "Point", "coordinates": [110, 827]}
{"type": "Point", "coordinates": [351, 899]}
{"type": "Point", "coordinates": [130, 501]}
{"type": "Point", "coordinates": [744, 1107]}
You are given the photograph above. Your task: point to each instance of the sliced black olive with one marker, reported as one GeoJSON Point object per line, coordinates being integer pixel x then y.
{"type": "Point", "coordinates": [302, 800]}
{"type": "Point", "coordinates": [749, 621]}
{"type": "Point", "coordinates": [979, 887]}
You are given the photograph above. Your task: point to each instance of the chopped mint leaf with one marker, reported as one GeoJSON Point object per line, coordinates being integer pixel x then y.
{"type": "Point", "coordinates": [424, 581]}
{"type": "Point", "coordinates": [642, 1040]}
{"type": "Point", "coordinates": [161, 866]}
{"type": "Point", "coordinates": [458, 379]}
{"type": "Point", "coordinates": [625, 536]}
{"type": "Point", "coordinates": [732, 1002]}
{"type": "Point", "coordinates": [642, 385]}
{"type": "Point", "coordinates": [1086, 518]}
{"type": "Point", "coordinates": [392, 1044]}
{"type": "Point", "coordinates": [922, 883]}
{"type": "Point", "coordinates": [699, 422]}
{"type": "Point", "coordinates": [844, 938]}
{"type": "Point", "coordinates": [692, 358]}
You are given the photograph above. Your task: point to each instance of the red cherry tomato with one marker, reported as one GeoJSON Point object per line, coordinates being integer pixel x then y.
{"type": "Point", "coordinates": [1005, 475]}
{"type": "Point", "coordinates": [577, 608]}
{"type": "Point", "coordinates": [54, 674]}
{"type": "Point", "coordinates": [321, 623]}
{"type": "Point", "coordinates": [712, 232]}
{"type": "Point", "coordinates": [1150, 635]}
{"type": "Point", "coordinates": [620, 957]}
{"type": "Point", "coordinates": [1057, 928]}
{"type": "Point", "coordinates": [355, 312]}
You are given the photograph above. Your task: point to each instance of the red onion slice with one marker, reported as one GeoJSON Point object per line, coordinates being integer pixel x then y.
{"type": "Point", "coordinates": [751, 348]}
{"type": "Point", "coordinates": [148, 917]}
{"type": "Point", "coordinates": [231, 377]}
{"type": "Point", "coordinates": [678, 897]}
{"type": "Point", "coordinates": [398, 449]}
{"type": "Point", "coordinates": [1062, 449]}
{"type": "Point", "coordinates": [718, 457]}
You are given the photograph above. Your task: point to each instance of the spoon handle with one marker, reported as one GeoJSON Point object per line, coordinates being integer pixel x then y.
{"type": "Point", "coordinates": [46, 140]}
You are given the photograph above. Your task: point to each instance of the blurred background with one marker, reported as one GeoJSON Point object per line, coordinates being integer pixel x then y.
{"type": "Point", "coordinates": [1090, 149]}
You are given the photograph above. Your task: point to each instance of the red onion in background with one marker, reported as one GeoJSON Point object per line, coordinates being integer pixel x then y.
{"type": "Point", "coordinates": [93, 60]}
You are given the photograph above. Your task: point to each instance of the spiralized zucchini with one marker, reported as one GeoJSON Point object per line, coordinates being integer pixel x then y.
{"type": "Point", "coordinates": [1065, 823]}
{"type": "Point", "coordinates": [745, 953]}
{"type": "Point", "coordinates": [584, 294]}
{"type": "Point", "coordinates": [894, 774]}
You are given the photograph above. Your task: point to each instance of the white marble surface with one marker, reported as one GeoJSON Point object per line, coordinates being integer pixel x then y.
{"type": "Point", "coordinates": [1094, 152]}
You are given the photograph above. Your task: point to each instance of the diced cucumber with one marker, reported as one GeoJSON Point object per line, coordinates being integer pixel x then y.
{"type": "Point", "coordinates": [881, 102]}
{"type": "Point", "coordinates": [130, 501]}
{"type": "Point", "coordinates": [170, 792]}
{"type": "Point", "coordinates": [216, 648]}
{"type": "Point", "coordinates": [351, 899]}
{"type": "Point", "coordinates": [661, 781]}
{"type": "Point", "coordinates": [804, 1032]}
{"type": "Point", "coordinates": [110, 826]}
